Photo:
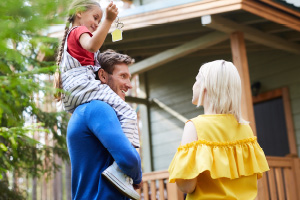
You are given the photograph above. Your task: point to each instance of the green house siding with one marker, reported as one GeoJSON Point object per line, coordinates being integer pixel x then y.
{"type": "Point", "coordinates": [279, 69]}
{"type": "Point", "coordinates": [172, 85]}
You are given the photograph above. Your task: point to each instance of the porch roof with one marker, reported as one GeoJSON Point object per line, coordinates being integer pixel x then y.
{"type": "Point", "coordinates": [158, 33]}
{"type": "Point", "coordinates": [291, 4]}
{"type": "Point", "coordinates": [155, 30]}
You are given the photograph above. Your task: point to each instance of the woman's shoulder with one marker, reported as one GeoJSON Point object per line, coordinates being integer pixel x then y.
{"type": "Point", "coordinates": [207, 119]}
{"type": "Point", "coordinates": [198, 118]}
{"type": "Point", "coordinates": [214, 118]}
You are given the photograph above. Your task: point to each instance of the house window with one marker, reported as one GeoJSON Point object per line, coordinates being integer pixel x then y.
{"type": "Point", "coordinates": [274, 124]}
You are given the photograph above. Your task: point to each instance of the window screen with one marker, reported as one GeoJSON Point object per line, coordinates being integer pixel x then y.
{"type": "Point", "coordinates": [271, 127]}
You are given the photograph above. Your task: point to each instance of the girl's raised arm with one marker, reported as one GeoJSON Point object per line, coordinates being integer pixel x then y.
{"type": "Point", "coordinates": [94, 43]}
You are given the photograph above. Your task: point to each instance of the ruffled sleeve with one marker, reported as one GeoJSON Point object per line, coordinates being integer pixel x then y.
{"type": "Point", "coordinates": [222, 159]}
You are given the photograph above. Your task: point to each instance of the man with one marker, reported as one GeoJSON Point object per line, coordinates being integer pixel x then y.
{"type": "Point", "coordinates": [95, 138]}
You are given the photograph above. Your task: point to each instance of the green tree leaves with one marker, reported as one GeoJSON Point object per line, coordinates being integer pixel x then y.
{"type": "Point", "coordinates": [27, 58]}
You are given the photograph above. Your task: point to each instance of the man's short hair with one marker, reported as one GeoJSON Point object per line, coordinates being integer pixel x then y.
{"type": "Point", "coordinates": [109, 58]}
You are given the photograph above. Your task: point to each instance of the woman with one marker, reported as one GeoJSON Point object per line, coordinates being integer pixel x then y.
{"type": "Point", "coordinates": [219, 158]}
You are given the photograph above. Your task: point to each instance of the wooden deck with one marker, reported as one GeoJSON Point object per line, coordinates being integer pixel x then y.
{"type": "Point", "coordinates": [282, 182]}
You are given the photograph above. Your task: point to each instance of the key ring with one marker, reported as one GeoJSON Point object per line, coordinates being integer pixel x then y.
{"type": "Point", "coordinates": [117, 33]}
{"type": "Point", "coordinates": [119, 24]}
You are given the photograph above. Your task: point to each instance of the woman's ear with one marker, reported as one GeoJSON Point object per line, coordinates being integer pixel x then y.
{"type": "Point", "coordinates": [103, 76]}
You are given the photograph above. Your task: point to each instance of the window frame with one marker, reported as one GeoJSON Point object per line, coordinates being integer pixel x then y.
{"type": "Point", "coordinates": [284, 94]}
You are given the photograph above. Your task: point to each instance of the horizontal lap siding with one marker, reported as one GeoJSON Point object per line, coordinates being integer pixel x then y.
{"type": "Point", "coordinates": [172, 85]}
{"type": "Point", "coordinates": [276, 69]}
{"type": "Point", "coordinates": [295, 106]}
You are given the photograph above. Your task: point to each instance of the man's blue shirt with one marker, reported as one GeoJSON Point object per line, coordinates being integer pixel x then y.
{"type": "Point", "coordinates": [95, 139]}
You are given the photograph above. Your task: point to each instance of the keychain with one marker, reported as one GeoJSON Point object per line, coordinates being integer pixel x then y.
{"type": "Point", "coordinates": [117, 34]}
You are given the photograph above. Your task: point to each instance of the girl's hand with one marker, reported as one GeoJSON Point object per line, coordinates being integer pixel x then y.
{"type": "Point", "coordinates": [111, 12]}
{"type": "Point", "coordinates": [138, 186]}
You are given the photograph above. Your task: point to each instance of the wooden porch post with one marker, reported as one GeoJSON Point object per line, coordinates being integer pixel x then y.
{"type": "Point", "coordinates": [240, 60]}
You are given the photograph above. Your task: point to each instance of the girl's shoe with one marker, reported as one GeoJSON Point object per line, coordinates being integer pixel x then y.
{"type": "Point", "coordinates": [121, 181]}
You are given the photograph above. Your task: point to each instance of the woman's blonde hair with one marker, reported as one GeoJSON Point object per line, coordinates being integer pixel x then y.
{"type": "Point", "coordinates": [222, 83]}
{"type": "Point", "coordinates": [75, 7]}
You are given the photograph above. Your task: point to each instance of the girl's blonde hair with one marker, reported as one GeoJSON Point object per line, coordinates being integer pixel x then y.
{"type": "Point", "coordinates": [75, 7]}
{"type": "Point", "coordinates": [222, 83]}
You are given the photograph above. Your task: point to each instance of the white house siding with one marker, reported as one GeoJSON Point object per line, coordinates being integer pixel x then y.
{"type": "Point", "coordinates": [172, 85]}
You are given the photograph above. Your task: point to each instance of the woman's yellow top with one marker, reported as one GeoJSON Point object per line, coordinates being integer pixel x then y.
{"type": "Point", "coordinates": [226, 159]}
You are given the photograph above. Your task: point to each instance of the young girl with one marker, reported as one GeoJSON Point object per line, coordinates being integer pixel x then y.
{"type": "Point", "coordinates": [219, 158]}
{"type": "Point", "coordinates": [77, 64]}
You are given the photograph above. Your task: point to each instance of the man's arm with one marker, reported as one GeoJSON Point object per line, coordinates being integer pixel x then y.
{"type": "Point", "coordinates": [103, 122]}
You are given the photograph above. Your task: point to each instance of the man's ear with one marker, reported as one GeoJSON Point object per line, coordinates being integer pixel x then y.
{"type": "Point", "coordinates": [103, 76]}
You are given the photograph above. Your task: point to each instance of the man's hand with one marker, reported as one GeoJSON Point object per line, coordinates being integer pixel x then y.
{"type": "Point", "coordinates": [111, 12]}
{"type": "Point", "coordinates": [138, 186]}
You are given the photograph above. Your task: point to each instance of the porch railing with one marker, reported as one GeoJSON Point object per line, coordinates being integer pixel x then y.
{"type": "Point", "coordinates": [157, 186]}
{"type": "Point", "coordinates": [282, 182]}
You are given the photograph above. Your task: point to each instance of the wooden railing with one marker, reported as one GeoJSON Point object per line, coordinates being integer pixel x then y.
{"type": "Point", "coordinates": [156, 186]}
{"type": "Point", "coordinates": [282, 182]}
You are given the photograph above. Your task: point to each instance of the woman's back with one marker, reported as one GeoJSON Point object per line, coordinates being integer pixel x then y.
{"type": "Point", "coordinates": [219, 157]}
{"type": "Point", "coordinates": [244, 188]}
{"type": "Point", "coordinates": [226, 159]}
{"type": "Point", "coordinates": [221, 127]}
